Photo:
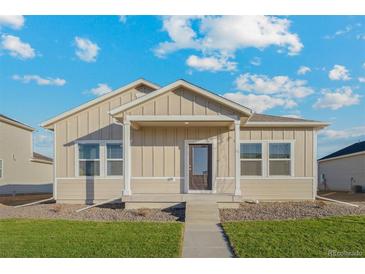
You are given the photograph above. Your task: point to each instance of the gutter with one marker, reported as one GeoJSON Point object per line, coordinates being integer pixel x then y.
{"type": "Point", "coordinates": [36, 202]}
{"type": "Point", "coordinates": [336, 201]}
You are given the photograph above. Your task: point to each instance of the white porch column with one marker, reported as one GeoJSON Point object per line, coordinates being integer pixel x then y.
{"type": "Point", "coordinates": [315, 165]}
{"type": "Point", "coordinates": [237, 176]}
{"type": "Point", "coordinates": [127, 157]}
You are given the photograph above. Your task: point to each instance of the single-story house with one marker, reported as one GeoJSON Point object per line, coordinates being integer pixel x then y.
{"type": "Point", "coordinates": [22, 170]}
{"type": "Point", "coordinates": [343, 169]}
{"type": "Point", "coordinates": [143, 142]}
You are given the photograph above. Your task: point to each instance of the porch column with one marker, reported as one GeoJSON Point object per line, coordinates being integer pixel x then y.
{"type": "Point", "coordinates": [127, 157]}
{"type": "Point", "coordinates": [237, 190]}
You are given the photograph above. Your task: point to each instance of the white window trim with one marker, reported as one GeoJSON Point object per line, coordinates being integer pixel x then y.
{"type": "Point", "coordinates": [266, 160]}
{"type": "Point", "coordinates": [2, 169]}
{"type": "Point", "coordinates": [291, 158]}
{"type": "Point", "coordinates": [112, 159]}
{"type": "Point", "coordinates": [102, 158]}
{"type": "Point", "coordinates": [250, 159]}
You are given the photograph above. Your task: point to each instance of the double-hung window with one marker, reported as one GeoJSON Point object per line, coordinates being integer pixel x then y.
{"type": "Point", "coordinates": [280, 159]}
{"type": "Point", "coordinates": [251, 159]}
{"type": "Point", "coordinates": [89, 159]}
{"type": "Point", "coordinates": [114, 159]}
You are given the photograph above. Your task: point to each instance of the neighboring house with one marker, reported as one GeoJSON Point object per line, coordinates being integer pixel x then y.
{"type": "Point", "coordinates": [343, 169]}
{"type": "Point", "coordinates": [149, 143]}
{"type": "Point", "coordinates": [21, 169]}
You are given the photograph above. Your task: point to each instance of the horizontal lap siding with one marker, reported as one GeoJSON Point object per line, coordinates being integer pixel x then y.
{"type": "Point", "coordinates": [338, 172]}
{"type": "Point", "coordinates": [275, 189]}
{"type": "Point", "coordinates": [287, 188]}
{"type": "Point", "coordinates": [92, 189]}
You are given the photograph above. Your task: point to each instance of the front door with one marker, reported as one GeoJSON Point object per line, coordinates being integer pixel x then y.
{"type": "Point", "coordinates": [200, 167]}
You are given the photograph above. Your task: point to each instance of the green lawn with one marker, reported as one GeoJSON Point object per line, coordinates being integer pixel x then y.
{"type": "Point", "coordinates": [59, 238]}
{"type": "Point", "coordinates": [298, 238]}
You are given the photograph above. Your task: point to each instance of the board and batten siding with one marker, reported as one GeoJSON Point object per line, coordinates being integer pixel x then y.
{"type": "Point", "coordinates": [159, 152]}
{"type": "Point", "coordinates": [180, 102]}
{"type": "Point", "coordinates": [93, 123]}
{"type": "Point", "coordinates": [300, 185]}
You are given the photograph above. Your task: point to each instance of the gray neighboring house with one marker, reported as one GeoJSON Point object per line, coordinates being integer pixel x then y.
{"type": "Point", "coordinates": [343, 169]}
{"type": "Point", "coordinates": [21, 169]}
{"type": "Point", "coordinates": [146, 143]}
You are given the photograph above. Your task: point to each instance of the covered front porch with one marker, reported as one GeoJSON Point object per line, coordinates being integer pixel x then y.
{"type": "Point", "coordinates": [177, 158]}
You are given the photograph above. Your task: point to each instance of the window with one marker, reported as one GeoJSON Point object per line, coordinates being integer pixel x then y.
{"type": "Point", "coordinates": [251, 159]}
{"type": "Point", "coordinates": [1, 169]}
{"type": "Point", "coordinates": [114, 159]}
{"type": "Point", "coordinates": [280, 159]}
{"type": "Point", "coordinates": [89, 160]}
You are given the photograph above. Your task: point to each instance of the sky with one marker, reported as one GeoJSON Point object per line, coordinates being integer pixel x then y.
{"type": "Point", "coordinates": [311, 67]}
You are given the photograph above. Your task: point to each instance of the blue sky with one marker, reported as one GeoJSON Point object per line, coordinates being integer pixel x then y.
{"type": "Point", "coordinates": [302, 66]}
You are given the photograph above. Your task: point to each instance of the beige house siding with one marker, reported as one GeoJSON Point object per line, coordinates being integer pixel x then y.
{"type": "Point", "coordinates": [20, 174]}
{"type": "Point", "coordinates": [180, 102]}
{"type": "Point", "coordinates": [157, 153]}
{"type": "Point", "coordinates": [81, 190]}
{"type": "Point", "coordinates": [338, 172]}
{"type": "Point", "coordinates": [300, 185]}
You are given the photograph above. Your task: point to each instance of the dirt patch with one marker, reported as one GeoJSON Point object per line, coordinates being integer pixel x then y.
{"type": "Point", "coordinates": [21, 199]}
{"type": "Point", "coordinates": [289, 210]}
{"type": "Point", "coordinates": [110, 213]}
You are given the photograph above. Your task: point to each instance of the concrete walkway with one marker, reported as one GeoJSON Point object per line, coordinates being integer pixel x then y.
{"type": "Point", "coordinates": [203, 236]}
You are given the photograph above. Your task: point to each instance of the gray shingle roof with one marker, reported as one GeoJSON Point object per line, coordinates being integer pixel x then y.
{"type": "Point", "coordinates": [256, 117]}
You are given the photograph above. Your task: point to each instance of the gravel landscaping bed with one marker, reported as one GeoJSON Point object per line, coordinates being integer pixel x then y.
{"type": "Point", "coordinates": [110, 213]}
{"type": "Point", "coordinates": [289, 210]}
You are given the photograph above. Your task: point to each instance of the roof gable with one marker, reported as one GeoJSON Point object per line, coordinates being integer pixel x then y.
{"type": "Point", "coordinates": [183, 84]}
{"type": "Point", "coordinates": [14, 122]}
{"type": "Point", "coordinates": [49, 123]}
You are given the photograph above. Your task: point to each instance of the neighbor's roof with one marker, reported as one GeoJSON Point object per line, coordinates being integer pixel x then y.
{"type": "Point", "coordinates": [133, 84]}
{"type": "Point", "coordinates": [270, 120]}
{"type": "Point", "coordinates": [354, 148]}
{"type": "Point", "coordinates": [40, 157]}
{"type": "Point", "coordinates": [14, 122]}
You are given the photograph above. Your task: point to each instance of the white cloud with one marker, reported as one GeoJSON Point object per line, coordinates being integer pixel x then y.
{"type": "Point", "coordinates": [259, 103]}
{"type": "Point", "coordinates": [361, 79]}
{"type": "Point", "coordinates": [279, 85]}
{"type": "Point", "coordinates": [292, 116]}
{"type": "Point", "coordinates": [16, 47]}
{"type": "Point", "coordinates": [101, 89]}
{"type": "Point", "coordinates": [210, 63]}
{"type": "Point", "coordinates": [256, 61]}
{"type": "Point", "coordinates": [340, 98]}
{"type": "Point", "coordinates": [339, 73]}
{"type": "Point", "coordinates": [303, 70]}
{"type": "Point", "coordinates": [224, 35]}
{"type": "Point", "coordinates": [343, 134]}
{"type": "Point", "coordinates": [12, 21]}
{"type": "Point", "coordinates": [86, 50]}
{"type": "Point", "coordinates": [40, 80]}
{"type": "Point", "coordinates": [341, 32]}
{"type": "Point", "coordinates": [123, 19]}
